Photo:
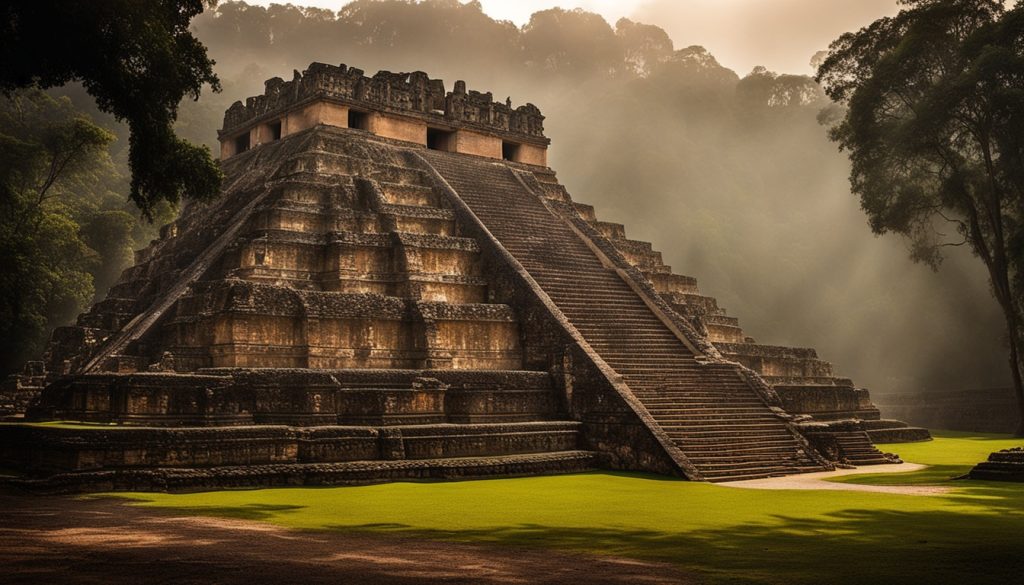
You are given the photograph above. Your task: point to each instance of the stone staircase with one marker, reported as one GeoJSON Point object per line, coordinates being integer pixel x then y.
{"type": "Point", "coordinates": [714, 416]}
{"type": "Point", "coordinates": [856, 447]}
{"type": "Point", "coordinates": [806, 384]}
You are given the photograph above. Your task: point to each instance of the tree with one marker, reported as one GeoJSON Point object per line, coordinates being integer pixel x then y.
{"type": "Point", "coordinates": [934, 128]}
{"type": "Point", "coordinates": [644, 45]}
{"type": "Point", "coordinates": [47, 152]}
{"type": "Point", "coordinates": [693, 75]}
{"type": "Point", "coordinates": [767, 88]}
{"type": "Point", "coordinates": [571, 42]}
{"type": "Point", "coordinates": [138, 59]}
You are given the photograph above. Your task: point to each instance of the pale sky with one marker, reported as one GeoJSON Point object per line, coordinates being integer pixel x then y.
{"type": "Point", "coordinates": [779, 34]}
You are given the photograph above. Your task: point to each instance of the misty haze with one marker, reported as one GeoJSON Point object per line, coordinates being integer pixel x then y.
{"type": "Point", "coordinates": [482, 291]}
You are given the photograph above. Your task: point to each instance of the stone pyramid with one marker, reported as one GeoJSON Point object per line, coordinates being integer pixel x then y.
{"type": "Point", "coordinates": [394, 285]}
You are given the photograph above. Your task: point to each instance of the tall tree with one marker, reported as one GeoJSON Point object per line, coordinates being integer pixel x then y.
{"type": "Point", "coordinates": [138, 59]}
{"type": "Point", "coordinates": [934, 128]}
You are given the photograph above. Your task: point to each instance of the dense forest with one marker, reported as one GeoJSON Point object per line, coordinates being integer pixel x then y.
{"type": "Point", "coordinates": [731, 176]}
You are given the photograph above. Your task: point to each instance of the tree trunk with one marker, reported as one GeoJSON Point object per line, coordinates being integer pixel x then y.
{"type": "Point", "coordinates": [999, 279]}
{"type": "Point", "coordinates": [1018, 387]}
{"type": "Point", "coordinates": [1015, 357]}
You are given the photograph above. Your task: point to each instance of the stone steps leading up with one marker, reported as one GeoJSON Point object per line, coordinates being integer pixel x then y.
{"type": "Point", "coordinates": [707, 410]}
{"type": "Point", "coordinates": [856, 448]}
{"type": "Point", "coordinates": [623, 330]}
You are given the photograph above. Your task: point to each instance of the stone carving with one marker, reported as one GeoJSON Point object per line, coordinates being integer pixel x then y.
{"type": "Point", "coordinates": [408, 93]}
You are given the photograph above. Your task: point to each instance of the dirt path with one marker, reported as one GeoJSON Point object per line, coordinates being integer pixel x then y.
{"type": "Point", "coordinates": [47, 539]}
{"type": "Point", "coordinates": [816, 481]}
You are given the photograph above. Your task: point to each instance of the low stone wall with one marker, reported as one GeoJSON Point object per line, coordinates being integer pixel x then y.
{"type": "Point", "coordinates": [982, 410]}
{"type": "Point", "coordinates": [44, 450]}
{"type": "Point", "coordinates": [307, 474]}
{"type": "Point", "coordinates": [771, 360]}
{"type": "Point", "coordinates": [827, 402]}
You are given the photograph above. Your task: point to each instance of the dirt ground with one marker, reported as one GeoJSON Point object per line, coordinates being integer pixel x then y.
{"type": "Point", "coordinates": [51, 539]}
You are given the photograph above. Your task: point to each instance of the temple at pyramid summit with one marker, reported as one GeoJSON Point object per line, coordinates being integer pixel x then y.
{"type": "Point", "coordinates": [394, 285]}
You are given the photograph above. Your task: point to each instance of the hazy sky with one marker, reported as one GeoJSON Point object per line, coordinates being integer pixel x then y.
{"type": "Point", "coordinates": [779, 34]}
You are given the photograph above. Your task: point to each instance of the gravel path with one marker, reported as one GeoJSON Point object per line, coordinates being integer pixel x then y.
{"type": "Point", "coordinates": [816, 481]}
{"type": "Point", "coordinates": [49, 539]}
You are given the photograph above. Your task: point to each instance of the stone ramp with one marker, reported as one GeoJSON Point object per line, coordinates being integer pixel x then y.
{"type": "Point", "coordinates": [713, 415]}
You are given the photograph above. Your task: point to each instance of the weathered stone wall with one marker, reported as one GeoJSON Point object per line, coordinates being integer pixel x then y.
{"type": "Point", "coordinates": [469, 142]}
{"type": "Point", "coordinates": [399, 128]}
{"type": "Point", "coordinates": [827, 402]}
{"type": "Point", "coordinates": [532, 155]}
{"type": "Point", "coordinates": [241, 396]}
{"type": "Point", "coordinates": [40, 450]}
{"type": "Point", "coordinates": [408, 93]}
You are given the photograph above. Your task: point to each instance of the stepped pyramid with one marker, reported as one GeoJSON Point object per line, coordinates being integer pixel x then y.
{"type": "Point", "coordinates": [394, 285]}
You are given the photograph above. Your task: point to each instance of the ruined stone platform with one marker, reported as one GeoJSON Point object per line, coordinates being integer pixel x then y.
{"type": "Point", "coordinates": [1005, 465]}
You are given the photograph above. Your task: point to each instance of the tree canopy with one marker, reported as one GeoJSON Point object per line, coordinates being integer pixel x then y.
{"type": "Point", "coordinates": [138, 59]}
{"type": "Point", "coordinates": [935, 133]}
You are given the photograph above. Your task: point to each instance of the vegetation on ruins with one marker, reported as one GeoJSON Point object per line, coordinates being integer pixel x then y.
{"type": "Point", "coordinates": [138, 59]}
{"type": "Point", "coordinates": [726, 534]}
{"type": "Point", "coordinates": [935, 132]}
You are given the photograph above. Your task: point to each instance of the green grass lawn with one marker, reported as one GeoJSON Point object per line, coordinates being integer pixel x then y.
{"type": "Point", "coordinates": [974, 534]}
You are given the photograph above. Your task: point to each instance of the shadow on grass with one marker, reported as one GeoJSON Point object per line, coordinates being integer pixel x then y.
{"type": "Point", "coordinates": [848, 547]}
{"type": "Point", "coordinates": [261, 512]}
{"type": "Point", "coordinates": [932, 475]}
{"type": "Point", "coordinates": [972, 535]}
{"type": "Point", "coordinates": [996, 496]}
